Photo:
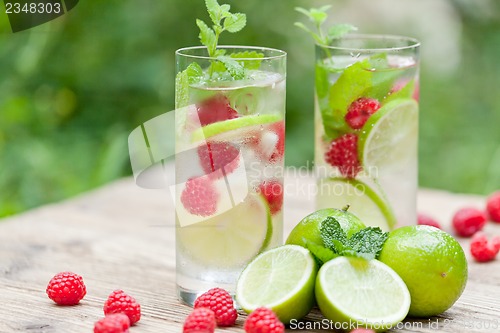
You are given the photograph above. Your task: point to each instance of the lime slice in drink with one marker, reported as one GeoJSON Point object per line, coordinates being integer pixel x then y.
{"type": "Point", "coordinates": [359, 292]}
{"type": "Point", "coordinates": [281, 279]}
{"type": "Point", "coordinates": [389, 137]}
{"type": "Point", "coordinates": [230, 126]}
{"type": "Point", "coordinates": [231, 238]}
{"type": "Point", "coordinates": [363, 201]}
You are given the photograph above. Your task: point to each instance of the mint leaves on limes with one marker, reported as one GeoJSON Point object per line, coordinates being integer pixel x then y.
{"type": "Point", "coordinates": [229, 239]}
{"type": "Point", "coordinates": [364, 293]}
{"type": "Point", "coordinates": [365, 243]}
{"type": "Point", "coordinates": [281, 279]}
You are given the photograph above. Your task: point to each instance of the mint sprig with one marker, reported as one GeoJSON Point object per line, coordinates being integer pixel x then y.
{"type": "Point", "coordinates": [318, 16]}
{"type": "Point", "coordinates": [366, 243]}
{"type": "Point", "coordinates": [223, 20]}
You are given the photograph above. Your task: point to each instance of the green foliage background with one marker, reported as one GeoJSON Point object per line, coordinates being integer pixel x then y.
{"type": "Point", "coordinates": [73, 89]}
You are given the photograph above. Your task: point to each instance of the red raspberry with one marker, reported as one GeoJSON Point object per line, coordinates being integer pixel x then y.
{"type": "Point", "coordinates": [214, 109]}
{"type": "Point", "coordinates": [481, 249]}
{"type": "Point", "coordinates": [66, 288]}
{"type": "Point", "coordinates": [360, 110]}
{"type": "Point", "coordinates": [263, 320]}
{"type": "Point", "coordinates": [424, 219]}
{"type": "Point", "coordinates": [493, 207]}
{"type": "Point", "coordinates": [200, 197]}
{"type": "Point", "coordinates": [113, 323]}
{"type": "Point", "coordinates": [201, 320]}
{"type": "Point", "coordinates": [468, 221]}
{"type": "Point", "coordinates": [217, 155]}
{"type": "Point", "coordinates": [273, 192]}
{"type": "Point", "coordinates": [120, 302]}
{"type": "Point", "coordinates": [343, 154]}
{"type": "Point", "coordinates": [220, 302]}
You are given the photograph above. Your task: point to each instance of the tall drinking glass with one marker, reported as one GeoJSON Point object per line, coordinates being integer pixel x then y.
{"type": "Point", "coordinates": [230, 136]}
{"type": "Point", "coordinates": [366, 127]}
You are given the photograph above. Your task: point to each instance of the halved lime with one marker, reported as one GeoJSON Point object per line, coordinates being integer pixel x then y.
{"type": "Point", "coordinates": [230, 239]}
{"type": "Point", "coordinates": [230, 125]}
{"type": "Point", "coordinates": [390, 135]}
{"type": "Point", "coordinates": [356, 292]}
{"type": "Point", "coordinates": [281, 279]}
{"type": "Point", "coordinates": [363, 201]}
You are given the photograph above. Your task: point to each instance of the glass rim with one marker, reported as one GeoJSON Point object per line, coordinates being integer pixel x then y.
{"type": "Point", "coordinates": [280, 53]}
{"type": "Point", "coordinates": [414, 43]}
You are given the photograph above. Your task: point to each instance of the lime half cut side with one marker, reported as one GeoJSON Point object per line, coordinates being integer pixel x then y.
{"type": "Point", "coordinates": [230, 127]}
{"type": "Point", "coordinates": [367, 293]}
{"type": "Point", "coordinates": [389, 137]}
{"type": "Point", "coordinates": [230, 239]}
{"type": "Point", "coordinates": [281, 279]}
{"type": "Point", "coordinates": [369, 206]}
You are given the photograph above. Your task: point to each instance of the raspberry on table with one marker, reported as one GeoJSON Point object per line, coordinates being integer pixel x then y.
{"type": "Point", "coordinates": [66, 288]}
{"type": "Point", "coordinates": [343, 154]}
{"type": "Point", "coordinates": [467, 221]}
{"type": "Point", "coordinates": [483, 250]}
{"type": "Point", "coordinates": [200, 320]}
{"type": "Point", "coordinates": [200, 196]}
{"type": "Point", "coordinates": [493, 207]}
{"type": "Point", "coordinates": [119, 302]}
{"type": "Point", "coordinates": [424, 219]}
{"type": "Point", "coordinates": [113, 323]}
{"type": "Point", "coordinates": [215, 109]}
{"type": "Point", "coordinates": [218, 155]}
{"type": "Point", "coordinates": [221, 303]}
{"type": "Point", "coordinates": [272, 190]}
{"type": "Point", "coordinates": [263, 320]}
{"type": "Point", "coordinates": [360, 110]}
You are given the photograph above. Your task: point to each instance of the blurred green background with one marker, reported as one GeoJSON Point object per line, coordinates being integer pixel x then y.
{"type": "Point", "coordinates": [73, 89]}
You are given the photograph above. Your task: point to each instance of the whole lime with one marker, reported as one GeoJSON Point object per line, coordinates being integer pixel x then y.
{"type": "Point", "coordinates": [309, 229]}
{"type": "Point", "coordinates": [431, 263]}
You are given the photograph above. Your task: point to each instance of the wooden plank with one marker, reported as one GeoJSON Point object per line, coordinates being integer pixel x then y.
{"type": "Point", "coordinates": [122, 236]}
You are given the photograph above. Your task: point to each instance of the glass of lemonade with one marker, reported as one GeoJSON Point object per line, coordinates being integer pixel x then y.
{"type": "Point", "coordinates": [230, 137]}
{"type": "Point", "coordinates": [366, 127]}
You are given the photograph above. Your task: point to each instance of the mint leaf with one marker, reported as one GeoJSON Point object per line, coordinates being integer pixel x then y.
{"type": "Point", "coordinates": [207, 36]}
{"type": "Point", "coordinates": [248, 64]}
{"type": "Point", "coordinates": [339, 30]}
{"type": "Point", "coordinates": [181, 89]}
{"type": "Point", "coordinates": [320, 253]}
{"type": "Point", "coordinates": [368, 241]}
{"type": "Point", "coordinates": [318, 16]}
{"type": "Point", "coordinates": [194, 73]}
{"type": "Point", "coordinates": [214, 10]}
{"type": "Point", "coordinates": [223, 20]}
{"type": "Point", "coordinates": [332, 234]}
{"type": "Point", "coordinates": [235, 22]}
{"type": "Point", "coordinates": [236, 70]}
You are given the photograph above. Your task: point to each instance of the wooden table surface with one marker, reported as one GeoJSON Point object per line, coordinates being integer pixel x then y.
{"type": "Point", "coordinates": [122, 236]}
